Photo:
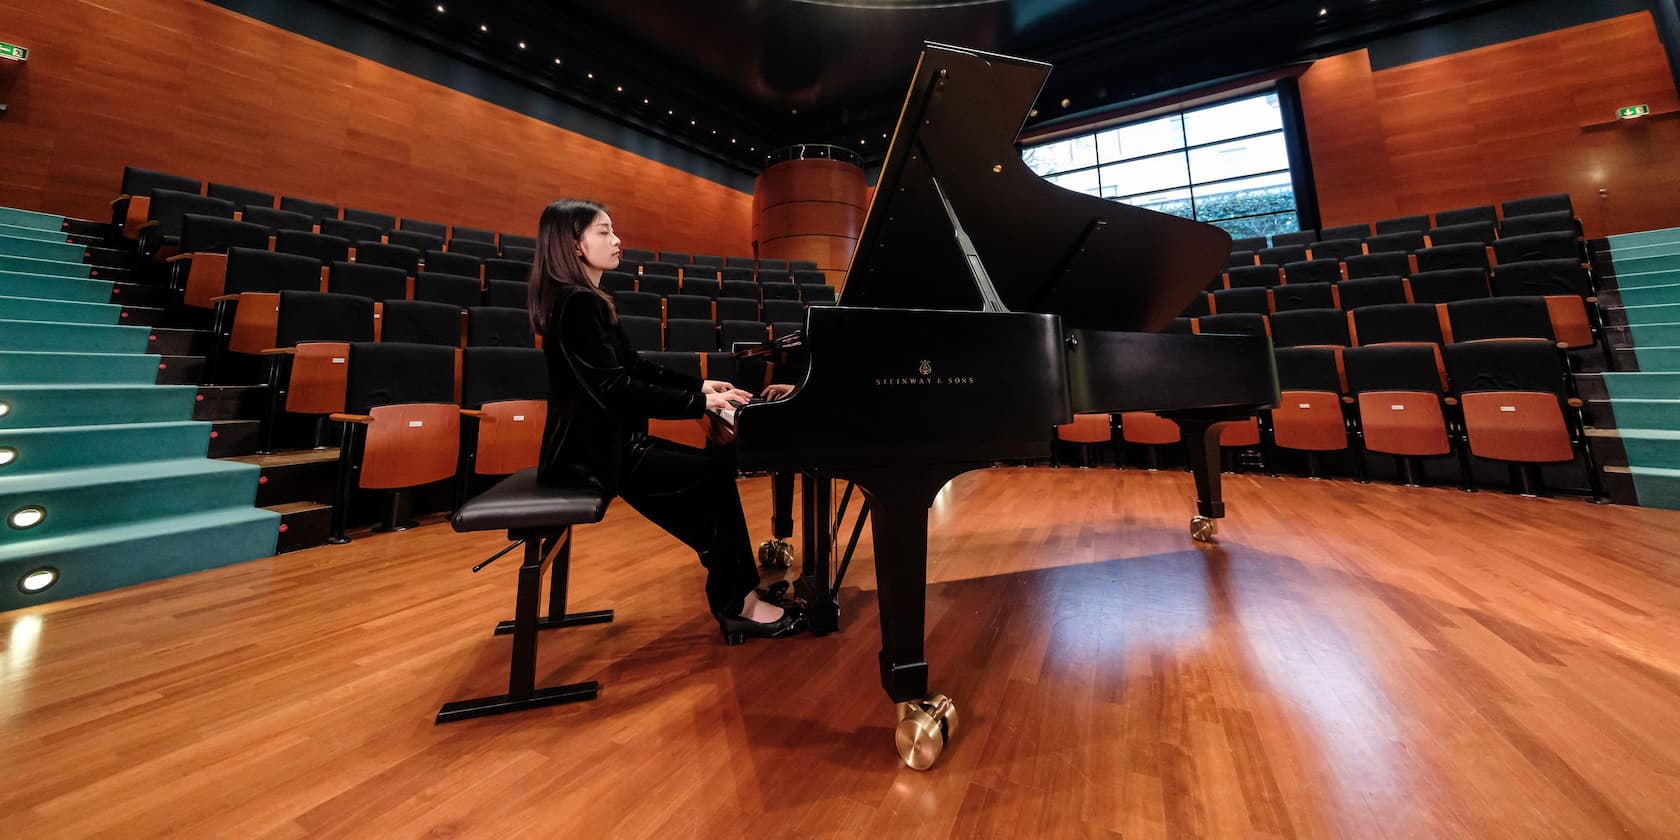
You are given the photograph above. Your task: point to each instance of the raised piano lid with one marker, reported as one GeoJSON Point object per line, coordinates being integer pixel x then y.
{"type": "Point", "coordinates": [953, 166]}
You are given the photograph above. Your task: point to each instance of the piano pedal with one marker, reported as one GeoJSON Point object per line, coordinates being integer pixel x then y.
{"type": "Point", "coordinates": [775, 554]}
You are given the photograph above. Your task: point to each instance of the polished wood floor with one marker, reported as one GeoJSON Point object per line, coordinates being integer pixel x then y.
{"type": "Point", "coordinates": [1351, 662]}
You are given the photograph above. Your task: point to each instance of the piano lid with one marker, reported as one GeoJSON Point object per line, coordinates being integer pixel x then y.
{"type": "Point", "coordinates": [955, 206]}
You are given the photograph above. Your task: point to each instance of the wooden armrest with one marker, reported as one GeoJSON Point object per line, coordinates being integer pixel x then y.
{"type": "Point", "coordinates": [1562, 346]}
{"type": "Point", "coordinates": [350, 418]}
{"type": "Point", "coordinates": [1576, 402]}
{"type": "Point", "coordinates": [473, 412]}
{"type": "Point", "coordinates": [147, 226]}
{"type": "Point", "coordinates": [220, 298]}
{"type": "Point", "coordinates": [120, 199]}
{"type": "Point", "coordinates": [279, 351]}
{"type": "Point", "coordinates": [179, 257]}
{"type": "Point", "coordinates": [1347, 400]}
{"type": "Point", "coordinates": [1450, 400]}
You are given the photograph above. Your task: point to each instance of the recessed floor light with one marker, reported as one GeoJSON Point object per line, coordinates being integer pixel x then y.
{"type": "Point", "coordinates": [7, 455]}
{"type": "Point", "coordinates": [38, 579]}
{"type": "Point", "coordinates": [27, 517]}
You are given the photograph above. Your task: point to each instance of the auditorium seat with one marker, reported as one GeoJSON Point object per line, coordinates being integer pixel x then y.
{"type": "Point", "coordinates": [239, 196]}
{"type": "Point", "coordinates": [784, 310]}
{"type": "Point", "coordinates": [1465, 215]}
{"type": "Point", "coordinates": [160, 235]}
{"type": "Point", "coordinates": [357, 232]}
{"type": "Point", "coordinates": [810, 277]}
{"type": "Point", "coordinates": [678, 257]}
{"type": "Point", "coordinates": [700, 286]}
{"type": "Point", "coordinates": [802, 265]}
{"type": "Point", "coordinates": [662, 269]}
{"type": "Point", "coordinates": [1508, 317]}
{"type": "Point", "coordinates": [197, 271]}
{"type": "Point", "coordinates": [1312, 271]}
{"type": "Point", "coordinates": [1248, 243]}
{"type": "Point", "coordinates": [132, 206]}
{"type": "Point", "coordinates": [646, 333]}
{"type": "Point", "coordinates": [732, 331]}
{"type": "Point", "coordinates": [1310, 416]}
{"type": "Point", "coordinates": [320, 247]}
{"type": "Point", "coordinates": [1404, 242]}
{"type": "Point", "coordinates": [659, 284]}
{"type": "Point", "coordinates": [513, 294]}
{"type": "Point", "coordinates": [1198, 306]}
{"type": "Point", "coordinates": [381, 221]}
{"type": "Point", "coordinates": [1448, 284]}
{"type": "Point", "coordinates": [1559, 222]}
{"type": "Point", "coordinates": [1478, 233]}
{"type": "Point", "coordinates": [513, 240]}
{"type": "Point", "coordinates": [499, 326]}
{"type": "Point", "coordinates": [306, 365]}
{"type": "Point", "coordinates": [737, 309]}
{"type": "Point", "coordinates": [472, 247]}
{"type": "Point", "coordinates": [277, 220]}
{"type": "Point", "coordinates": [689, 307]}
{"type": "Point", "coordinates": [246, 311]}
{"type": "Point", "coordinates": [443, 262]}
{"type": "Point", "coordinates": [1230, 301]}
{"type": "Point", "coordinates": [1536, 246]}
{"type": "Point", "coordinates": [464, 292]}
{"type": "Point", "coordinates": [394, 256]}
{"type": "Point", "coordinates": [688, 432]}
{"type": "Point", "coordinates": [782, 329]}
{"type": "Point", "coordinates": [504, 406]}
{"type": "Point", "coordinates": [415, 240]}
{"type": "Point", "coordinates": [1396, 322]}
{"type": "Point", "coordinates": [639, 255]}
{"type": "Point", "coordinates": [1344, 232]}
{"type": "Point", "coordinates": [1240, 258]}
{"type": "Point", "coordinates": [1372, 291]}
{"type": "Point", "coordinates": [377, 283]}
{"type": "Point", "coordinates": [1466, 255]}
{"type": "Point", "coordinates": [691, 335]}
{"type": "Point", "coordinates": [614, 282]}
{"type": "Point", "coordinates": [1300, 237]}
{"type": "Point", "coordinates": [816, 293]}
{"type": "Point", "coordinates": [317, 211]}
{"type": "Point", "coordinates": [1379, 264]}
{"type": "Point", "coordinates": [1518, 407]}
{"type": "Point", "coordinates": [519, 253]}
{"type": "Point", "coordinates": [470, 234]}
{"type": "Point", "coordinates": [735, 262]}
{"type": "Point", "coordinates": [1304, 296]}
{"type": "Point", "coordinates": [1281, 254]}
{"type": "Point", "coordinates": [640, 304]}
{"type": "Point", "coordinates": [1149, 430]}
{"type": "Point", "coordinates": [1253, 277]}
{"type": "Point", "coordinates": [629, 266]}
{"type": "Point", "coordinates": [437, 229]}
{"type": "Point", "coordinates": [1553, 203]}
{"type": "Point", "coordinates": [737, 274]}
{"type": "Point", "coordinates": [1399, 391]}
{"type": "Point", "coordinates": [779, 291]}
{"type": "Point", "coordinates": [1179, 326]}
{"type": "Point", "coordinates": [768, 265]}
{"type": "Point", "coordinates": [1086, 430]}
{"type": "Point", "coordinates": [1304, 327]}
{"type": "Point", "coordinates": [1540, 277]}
{"type": "Point", "coordinates": [499, 269]}
{"type": "Point", "coordinates": [1403, 224]}
{"type": "Point", "coordinates": [420, 322]}
{"type": "Point", "coordinates": [1232, 324]}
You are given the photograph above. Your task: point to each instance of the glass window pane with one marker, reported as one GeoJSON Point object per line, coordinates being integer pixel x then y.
{"type": "Point", "coordinates": [1084, 181]}
{"type": "Point", "coordinates": [1173, 202]}
{"type": "Point", "coordinates": [1061, 155]}
{"type": "Point", "coordinates": [1233, 119]}
{"type": "Point", "coordinates": [1260, 225]}
{"type": "Point", "coordinates": [1247, 197]}
{"type": "Point", "coordinates": [1239, 157]}
{"type": "Point", "coordinates": [1145, 175]}
{"type": "Point", "coordinates": [1145, 138]}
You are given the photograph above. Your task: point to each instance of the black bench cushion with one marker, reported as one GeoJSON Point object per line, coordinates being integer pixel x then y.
{"type": "Point", "coordinates": [519, 503]}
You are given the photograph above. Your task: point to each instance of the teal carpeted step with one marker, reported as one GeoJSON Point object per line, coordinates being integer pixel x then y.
{"type": "Point", "coordinates": [81, 338]}
{"type": "Point", "coordinates": [38, 234]}
{"type": "Point", "coordinates": [96, 497]}
{"type": "Point", "coordinates": [66, 404]}
{"type": "Point", "coordinates": [106, 558]}
{"type": "Point", "coordinates": [13, 284]}
{"type": "Point", "coordinates": [1640, 385]}
{"type": "Point", "coordinates": [61, 311]}
{"type": "Point", "coordinates": [1651, 447]}
{"type": "Point", "coordinates": [78, 447]}
{"type": "Point", "coordinates": [1651, 295]}
{"type": "Point", "coordinates": [1648, 278]}
{"type": "Point", "coordinates": [1658, 487]}
{"type": "Point", "coordinates": [1647, 414]}
{"type": "Point", "coordinates": [1644, 237]}
{"type": "Point", "coordinates": [1656, 335]}
{"type": "Point", "coordinates": [24, 367]}
{"type": "Point", "coordinates": [1658, 359]}
{"type": "Point", "coordinates": [11, 246]}
{"type": "Point", "coordinates": [44, 268]}
{"type": "Point", "coordinates": [1661, 313]}
{"type": "Point", "coordinates": [1632, 252]}
{"type": "Point", "coordinates": [30, 219]}
{"type": "Point", "coordinates": [1643, 264]}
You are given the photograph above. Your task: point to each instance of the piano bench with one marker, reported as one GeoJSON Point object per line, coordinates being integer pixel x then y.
{"type": "Point", "coordinates": [540, 518]}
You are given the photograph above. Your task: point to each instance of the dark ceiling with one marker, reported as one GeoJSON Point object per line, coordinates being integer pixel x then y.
{"type": "Point", "coordinates": [733, 79]}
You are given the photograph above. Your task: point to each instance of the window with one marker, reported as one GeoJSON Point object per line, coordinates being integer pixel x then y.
{"type": "Point", "coordinates": [1224, 164]}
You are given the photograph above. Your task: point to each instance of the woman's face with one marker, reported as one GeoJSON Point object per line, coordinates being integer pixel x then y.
{"type": "Point", "coordinates": [599, 246]}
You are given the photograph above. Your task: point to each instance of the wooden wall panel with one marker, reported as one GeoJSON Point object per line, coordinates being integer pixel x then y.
{"type": "Point", "coordinates": [1526, 117]}
{"type": "Point", "coordinates": [192, 88]}
{"type": "Point", "coordinates": [810, 210]}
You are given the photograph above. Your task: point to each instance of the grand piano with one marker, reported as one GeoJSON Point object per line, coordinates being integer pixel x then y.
{"type": "Point", "coordinates": [983, 307]}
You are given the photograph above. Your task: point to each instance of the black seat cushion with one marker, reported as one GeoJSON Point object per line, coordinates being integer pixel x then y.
{"type": "Point", "coordinates": [519, 503]}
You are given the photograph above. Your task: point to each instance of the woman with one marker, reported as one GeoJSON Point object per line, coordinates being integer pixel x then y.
{"type": "Point", "coordinates": [601, 395]}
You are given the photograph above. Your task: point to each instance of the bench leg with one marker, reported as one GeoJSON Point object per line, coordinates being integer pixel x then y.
{"type": "Point", "coordinates": [557, 580]}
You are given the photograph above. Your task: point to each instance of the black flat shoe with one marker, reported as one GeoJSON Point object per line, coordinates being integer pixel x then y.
{"type": "Point", "coordinates": [737, 629]}
{"type": "Point", "coordinates": [782, 594]}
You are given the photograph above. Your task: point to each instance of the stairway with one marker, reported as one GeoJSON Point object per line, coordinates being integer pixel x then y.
{"type": "Point", "coordinates": [98, 440]}
{"type": "Point", "coordinates": [1644, 394]}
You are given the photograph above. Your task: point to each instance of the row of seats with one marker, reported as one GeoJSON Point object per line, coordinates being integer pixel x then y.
{"type": "Point", "coordinates": [1544, 277]}
{"type": "Point", "coordinates": [616, 282]}
{"type": "Point", "coordinates": [649, 305]}
{"type": "Point", "coordinates": [700, 335]}
{"type": "Point", "coordinates": [1527, 316]}
{"type": "Point", "coordinates": [1536, 214]}
{"type": "Point", "coordinates": [1464, 248]}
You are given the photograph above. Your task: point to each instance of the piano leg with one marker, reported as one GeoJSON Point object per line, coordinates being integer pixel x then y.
{"type": "Point", "coordinates": [814, 585]}
{"type": "Point", "coordinates": [776, 553]}
{"type": "Point", "coordinates": [1201, 440]}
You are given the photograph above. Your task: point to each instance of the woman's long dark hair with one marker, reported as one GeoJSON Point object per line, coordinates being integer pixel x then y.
{"type": "Point", "coordinates": [557, 263]}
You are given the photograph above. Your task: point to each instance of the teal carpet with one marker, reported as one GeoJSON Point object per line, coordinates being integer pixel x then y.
{"type": "Point", "coordinates": [113, 463]}
{"type": "Point", "coordinates": [1647, 403]}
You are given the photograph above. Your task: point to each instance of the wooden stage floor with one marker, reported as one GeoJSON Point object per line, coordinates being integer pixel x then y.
{"type": "Point", "coordinates": [1351, 662]}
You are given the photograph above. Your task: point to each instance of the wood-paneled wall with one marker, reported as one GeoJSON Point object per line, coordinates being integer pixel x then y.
{"type": "Point", "coordinates": [1526, 117]}
{"type": "Point", "coordinates": [191, 88]}
{"type": "Point", "coordinates": [810, 210]}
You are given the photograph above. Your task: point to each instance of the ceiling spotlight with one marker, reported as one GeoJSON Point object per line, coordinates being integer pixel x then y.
{"type": "Point", "coordinates": [883, 135]}
{"type": "Point", "coordinates": [1033, 113]}
{"type": "Point", "coordinates": [557, 59]}
{"type": "Point", "coordinates": [644, 100]}
{"type": "Point", "coordinates": [730, 140]}
{"type": "Point", "coordinates": [589, 75]}
{"type": "Point", "coordinates": [38, 579]}
{"type": "Point", "coordinates": [863, 141]}
{"type": "Point", "coordinates": [27, 517]}
{"type": "Point", "coordinates": [7, 455]}
{"type": "Point", "coordinates": [440, 8]}
{"type": "Point", "coordinates": [1066, 102]}
{"type": "Point", "coordinates": [714, 131]}
{"type": "Point", "coordinates": [1323, 11]}
{"type": "Point", "coordinates": [522, 45]}
{"type": "Point", "coordinates": [669, 112]}
{"type": "Point", "coordinates": [620, 88]}
{"type": "Point", "coordinates": [484, 27]}
{"type": "Point", "coordinates": [691, 122]}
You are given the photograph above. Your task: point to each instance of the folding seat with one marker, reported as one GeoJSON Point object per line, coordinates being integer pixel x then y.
{"type": "Point", "coordinates": [689, 307]}
{"type": "Point", "coordinates": [519, 253]}
{"type": "Point", "coordinates": [1554, 203]}
{"type": "Point", "coordinates": [443, 262]}
{"type": "Point", "coordinates": [614, 282]}
{"type": "Point", "coordinates": [1467, 255]}
{"type": "Point", "coordinates": [1383, 264]}
{"type": "Point", "coordinates": [356, 232]}
{"type": "Point", "coordinates": [640, 304]}
{"type": "Point", "coordinates": [317, 211]}
{"type": "Point", "coordinates": [784, 310]}
{"type": "Point", "coordinates": [736, 309]}
{"type": "Point", "coordinates": [412, 239]}
{"type": "Point", "coordinates": [779, 291]}
{"type": "Point", "coordinates": [1281, 254]}
{"type": "Point", "coordinates": [395, 256]}
{"type": "Point", "coordinates": [1198, 306]}
{"type": "Point", "coordinates": [802, 265]}
{"type": "Point", "coordinates": [1240, 258]}
{"type": "Point", "coordinates": [678, 257]}
{"type": "Point", "coordinates": [1518, 408]}
{"type": "Point", "coordinates": [132, 206]}
{"type": "Point", "coordinates": [197, 271]}
{"type": "Point", "coordinates": [708, 259]}
{"type": "Point", "coordinates": [382, 221]}
{"type": "Point", "coordinates": [420, 322]}
{"type": "Point", "coordinates": [240, 196]}
{"type": "Point", "coordinates": [737, 274]}
{"type": "Point", "coordinates": [700, 286]}
{"type": "Point", "coordinates": [783, 329]}
{"type": "Point", "coordinates": [629, 267]}
{"type": "Point", "coordinates": [512, 240]}
{"type": "Point", "coordinates": [1336, 249]}
{"type": "Point", "coordinates": [659, 284]}
{"type": "Point", "coordinates": [464, 292]}
{"type": "Point", "coordinates": [1477, 233]}
{"type": "Point", "coordinates": [1302, 327]}
{"type": "Point", "coordinates": [509, 270]}
{"type": "Point", "coordinates": [1254, 277]}
{"type": "Point", "coordinates": [639, 255]}
{"type": "Point", "coordinates": [663, 269]}
{"type": "Point", "coordinates": [646, 333]}
{"type": "Point", "coordinates": [1301, 237]}
{"type": "Point", "coordinates": [277, 220]}
{"type": "Point", "coordinates": [402, 427]}
{"type": "Point", "coordinates": [437, 229]}
{"type": "Point", "coordinates": [816, 293]}
{"type": "Point", "coordinates": [1535, 246]}
{"type": "Point", "coordinates": [473, 247]}
{"type": "Point", "coordinates": [499, 326]}
{"type": "Point", "coordinates": [514, 294]}
{"type": "Point", "coordinates": [1086, 431]}
{"type": "Point", "coordinates": [1404, 242]}
{"type": "Point", "coordinates": [1395, 322]}
{"type": "Point", "coordinates": [691, 433]}
{"type": "Point", "coordinates": [247, 308]}
{"type": "Point", "coordinates": [1312, 271]}
{"type": "Point", "coordinates": [1248, 243]}
{"type": "Point", "coordinates": [1310, 416]}
{"type": "Point", "coordinates": [1465, 215]}
{"type": "Point", "coordinates": [320, 247]}
{"type": "Point", "coordinates": [745, 289]}
{"type": "Point", "coordinates": [1304, 296]}
{"type": "Point", "coordinates": [1448, 284]}
{"type": "Point", "coordinates": [1228, 301]}
{"type": "Point", "coordinates": [306, 367]}
{"type": "Point", "coordinates": [1399, 391]}
{"type": "Point", "coordinates": [1504, 317]}
{"type": "Point", "coordinates": [1371, 291]}
{"type": "Point", "coordinates": [160, 235]}
{"type": "Point", "coordinates": [1148, 430]}
{"type": "Point", "coordinates": [1403, 224]}
{"type": "Point", "coordinates": [504, 406]}
{"type": "Point", "coordinates": [1344, 232]}
{"type": "Point", "coordinates": [774, 266]}
{"type": "Point", "coordinates": [810, 277]}
{"type": "Point", "coordinates": [1539, 277]}
{"type": "Point", "coordinates": [1235, 324]}
{"type": "Point", "coordinates": [738, 262]}
{"type": "Point", "coordinates": [692, 335]}
{"type": "Point", "coordinates": [731, 332]}
{"type": "Point", "coordinates": [1559, 222]}
{"type": "Point", "coordinates": [377, 283]}
{"type": "Point", "coordinates": [468, 234]}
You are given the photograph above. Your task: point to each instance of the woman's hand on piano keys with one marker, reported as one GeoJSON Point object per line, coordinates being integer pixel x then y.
{"type": "Point", "coordinates": [715, 386]}
{"type": "Point", "coordinates": [776, 392]}
{"type": "Point", "coordinates": [726, 401]}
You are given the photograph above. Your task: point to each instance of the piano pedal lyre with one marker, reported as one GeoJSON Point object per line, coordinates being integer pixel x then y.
{"type": "Point", "coordinates": [924, 728]}
{"type": "Point", "coordinates": [775, 554]}
{"type": "Point", "coordinates": [1204, 529]}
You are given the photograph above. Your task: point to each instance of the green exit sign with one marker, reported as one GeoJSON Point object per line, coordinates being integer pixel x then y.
{"type": "Point", "coordinates": [14, 52]}
{"type": "Point", "coordinates": [1633, 111]}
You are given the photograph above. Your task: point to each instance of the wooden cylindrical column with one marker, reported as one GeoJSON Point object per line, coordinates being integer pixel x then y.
{"type": "Point", "coordinates": [810, 209]}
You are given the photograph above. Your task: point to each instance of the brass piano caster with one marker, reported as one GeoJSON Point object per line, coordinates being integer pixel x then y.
{"type": "Point", "coordinates": [1204, 528]}
{"type": "Point", "coordinates": [924, 728]}
{"type": "Point", "coordinates": [775, 554]}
